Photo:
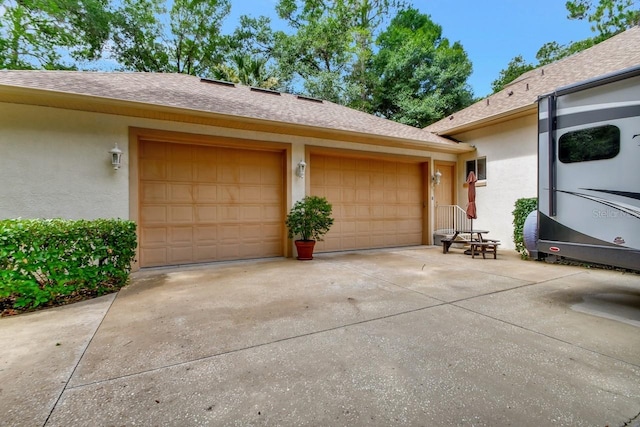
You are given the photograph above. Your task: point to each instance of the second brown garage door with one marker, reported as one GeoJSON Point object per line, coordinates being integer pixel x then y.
{"type": "Point", "coordinates": [376, 203]}
{"type": "Point", "coordinates": [203, 203]}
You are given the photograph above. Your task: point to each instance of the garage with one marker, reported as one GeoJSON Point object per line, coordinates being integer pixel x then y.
{"type": "Point", "coordinates": [377, 203]}
{"type": "Point", "coordinates": [202, 203]}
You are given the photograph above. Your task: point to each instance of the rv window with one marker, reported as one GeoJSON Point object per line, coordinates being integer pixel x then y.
{"type": "Point", "coordinates": [479, 167]}
{"type": "Point", "coordinates": [584, 145]}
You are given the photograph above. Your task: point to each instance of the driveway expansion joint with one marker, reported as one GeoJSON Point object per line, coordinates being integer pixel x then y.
{"type": "Point", "coordinates": [84, 351]}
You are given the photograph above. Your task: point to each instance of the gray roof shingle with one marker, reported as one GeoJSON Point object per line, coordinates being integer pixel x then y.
{"type": "Point", "coordinates": [617, 53]}
{"type": "Point", "coordinates": [182, 91]}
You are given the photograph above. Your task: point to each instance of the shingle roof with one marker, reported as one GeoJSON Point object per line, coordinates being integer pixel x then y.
{"type": "Point", "coordinates": [617, 53]}
{"type": "Point", "coordinates": [188, 92]}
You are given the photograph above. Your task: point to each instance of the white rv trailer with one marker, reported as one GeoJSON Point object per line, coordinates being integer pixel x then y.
{"type": "Point", "coordinates": [589, 171]}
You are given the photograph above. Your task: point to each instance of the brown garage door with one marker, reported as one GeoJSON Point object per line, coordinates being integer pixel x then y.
{"type": "Point", "coordinates": [376, 203]}
{"type": "Point", "coordinates": [201, 203]}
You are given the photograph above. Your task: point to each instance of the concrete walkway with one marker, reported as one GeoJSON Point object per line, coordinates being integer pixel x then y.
{"type": "Point", "coordinates": [389, 337]}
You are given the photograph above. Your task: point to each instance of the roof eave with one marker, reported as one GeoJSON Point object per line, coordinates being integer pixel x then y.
{"type": "Point", "coordinates": [490, 120]}
{"type": "Point", "coordinates": [107, 105]}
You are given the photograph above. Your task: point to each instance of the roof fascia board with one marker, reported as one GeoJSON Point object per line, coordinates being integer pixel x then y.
{"type": "Point", "coordinates": [491, 120]}
{"type": "Point", "coordinates": [78, 102]}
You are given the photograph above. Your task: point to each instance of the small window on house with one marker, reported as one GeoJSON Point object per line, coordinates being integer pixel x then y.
{"type": "Point", "coordinates": [479, 167]}
{"type": "Point", "coordinates": [599, 143]}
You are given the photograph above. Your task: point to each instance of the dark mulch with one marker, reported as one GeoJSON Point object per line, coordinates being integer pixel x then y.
{"type": "Point", "coordinates": [7, 308]}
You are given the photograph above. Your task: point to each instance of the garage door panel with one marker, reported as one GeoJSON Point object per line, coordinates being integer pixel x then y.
{"type": "Point", "coordinates": [206, 253]}
{"type": "Point", "coordinates": [349, 212]}
{"type": "Point", "coordinates": [153, 214]}
{"type": "Point", "coordinates": [181, 153]}
{"type": "Point", "coordinates": [155, 235]}
{"type": "Point", "coordinates": [181, 235]}
{"type": "Point", "coordinates": [348, 179]}
{"type": "Point", "coordinates": [202, 203]}
{"type": "Point", "coordinates": [181, 193]}
{"type": "Point", "coordinates": [152, 151]}
{"type": "Point", "coordinates": [251, 193]}
{"type": "Point", "coordinates": [363, 195]}
{"type": "Point", "coordinates": [229, 233]}
{"type": "Point", "coordinates": [251, 213]}
{"type": "Point", "coordinates": [271, 194]}
{"type": "Point", "coordinates": [363, 212]}
{"type": "Point", "coordinates": [155, 192]}
{"type": "Point", "coordinates": [205, 172]}
{"type": "Point", "coordinates": [228, 213]}
{"type": "Point", "coordinates": [227, 174]}
{"type": "Point", "coordinates": [271, 233]}
{"type": "Point", "coordinates": [153, 169]}
{"type": "Point", "coordinates": [180, 171]}
{"type": "Point", "coordinates": [363, 227]}
{"type": "Point", "coordinates": [373, 201]}
{"type": "Point", "coordinates": [377, 180]}
{"type": "Point", "coordinates": [271, 212]}
{"type": "Point", "coordinates": [180, 214]}
{"type": "Point", "coordinates": [251, 175]}
{"type": "Point", "coordinates": [180, 254]}
{"type": "Point", "coordinates": [228, 193]}
{"type": "Point", "coordinates": [154, 256]}
{"type": "Point", "coordinates": [206, 214]}
{"type": "Point", "coordinates": [206, 234]}
{"type": "Point", "coordinates": [205, 193]}
{"type": "Point", "coordinates": [390, 196]}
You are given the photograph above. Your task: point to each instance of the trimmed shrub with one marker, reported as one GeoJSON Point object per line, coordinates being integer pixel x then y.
{"type": "Point", "coordinates": [523, 208]}
{"type": "Point", "coordinates": [41, 260]}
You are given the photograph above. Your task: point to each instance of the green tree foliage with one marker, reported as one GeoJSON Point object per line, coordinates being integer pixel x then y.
{"type": "Point", "coordinates": [523, 207]}
{"type": "Point", "coordinates": [330, 48]}
{"type": "Point", "coordinates": [316, 54]}
{"type": "Point", "coordinates": [607, 17]}
{"type": "Point", "coordinates": [422, 75]}
{"type": "Point", "coordinates": [138, 36]}
{"type": "Point", "coordinates": [34, 33]}
{"type": "Point", "coordinates": [247, 70]}
{"type": "Point", "coordinates": [248, 59]}
{"type": "Point", "coordinates": [192, 44]}
{"type": "Point", "coordinates": [517, 66]}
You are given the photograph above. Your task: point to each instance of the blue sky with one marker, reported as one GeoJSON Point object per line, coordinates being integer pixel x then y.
{"type": "Point", "coordinates": [492, 32]}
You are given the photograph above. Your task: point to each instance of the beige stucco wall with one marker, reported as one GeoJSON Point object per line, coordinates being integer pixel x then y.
{"type": "Point", "coordinates": [511, 152]}
{"type": "Point", "coordinates": [55, 162]}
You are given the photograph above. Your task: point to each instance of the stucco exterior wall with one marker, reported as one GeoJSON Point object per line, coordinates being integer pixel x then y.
{"type": "Point", "coordinates": [55, 162]}
{"type": "Point", "coordinates": [511, 152]}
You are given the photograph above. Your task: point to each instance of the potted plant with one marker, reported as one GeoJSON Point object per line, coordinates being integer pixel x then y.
{"type": "Point", "coordinates": [309, 219]}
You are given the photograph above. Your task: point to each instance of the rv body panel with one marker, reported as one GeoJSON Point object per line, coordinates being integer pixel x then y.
{"type": "Point", "coordinates": [589, 171]}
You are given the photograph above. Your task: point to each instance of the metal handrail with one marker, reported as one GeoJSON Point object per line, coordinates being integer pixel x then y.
{"type": "Point", "coordinates": [450, 218]}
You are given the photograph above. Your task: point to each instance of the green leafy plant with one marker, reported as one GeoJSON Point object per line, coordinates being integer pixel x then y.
{"type": "Point", "coordinates": [523, 207]}
{"type": "Point", "coordinates": [45, 260]}
{"type": "Point", "coordinates": [310, 218]}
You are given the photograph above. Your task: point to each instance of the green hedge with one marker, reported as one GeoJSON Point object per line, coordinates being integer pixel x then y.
{"type": "Point", "coordinates": [523, 208]}
{"type": "Point", "coordinates": [41, 260]}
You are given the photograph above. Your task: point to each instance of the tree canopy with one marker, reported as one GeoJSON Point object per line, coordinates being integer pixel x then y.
{"type": "Point", "coordinates": [378, 56]}
{"type": "Point", "coordinates": [34, 34]}
{"type": "Point", "coordinates": [608, 18]}
{"type": "Point", "coordinates": [423, 77]}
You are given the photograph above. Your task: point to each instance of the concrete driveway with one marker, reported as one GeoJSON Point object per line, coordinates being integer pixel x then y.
{"type": "Point", "coordinates": [390, 337]}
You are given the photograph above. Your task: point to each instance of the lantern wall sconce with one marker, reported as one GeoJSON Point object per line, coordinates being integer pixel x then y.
{"type": "Point", "coordinates": [116, 157]}
{"type": "Point", "coordinates": [436, 178]}
{"type": "Point", "coordinates": [302, 167]}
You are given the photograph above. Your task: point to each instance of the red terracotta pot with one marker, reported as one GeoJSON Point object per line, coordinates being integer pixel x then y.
{"type": "Point", "coordinates": [305, 249]}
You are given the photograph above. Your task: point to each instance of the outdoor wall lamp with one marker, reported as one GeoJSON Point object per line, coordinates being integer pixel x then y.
{"type": "Point", "coordinates": [116, 157]}
{"type": "Point", "coordinates": [302, 166]}
{"type": "Point", "coordinates": [436, 177]}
